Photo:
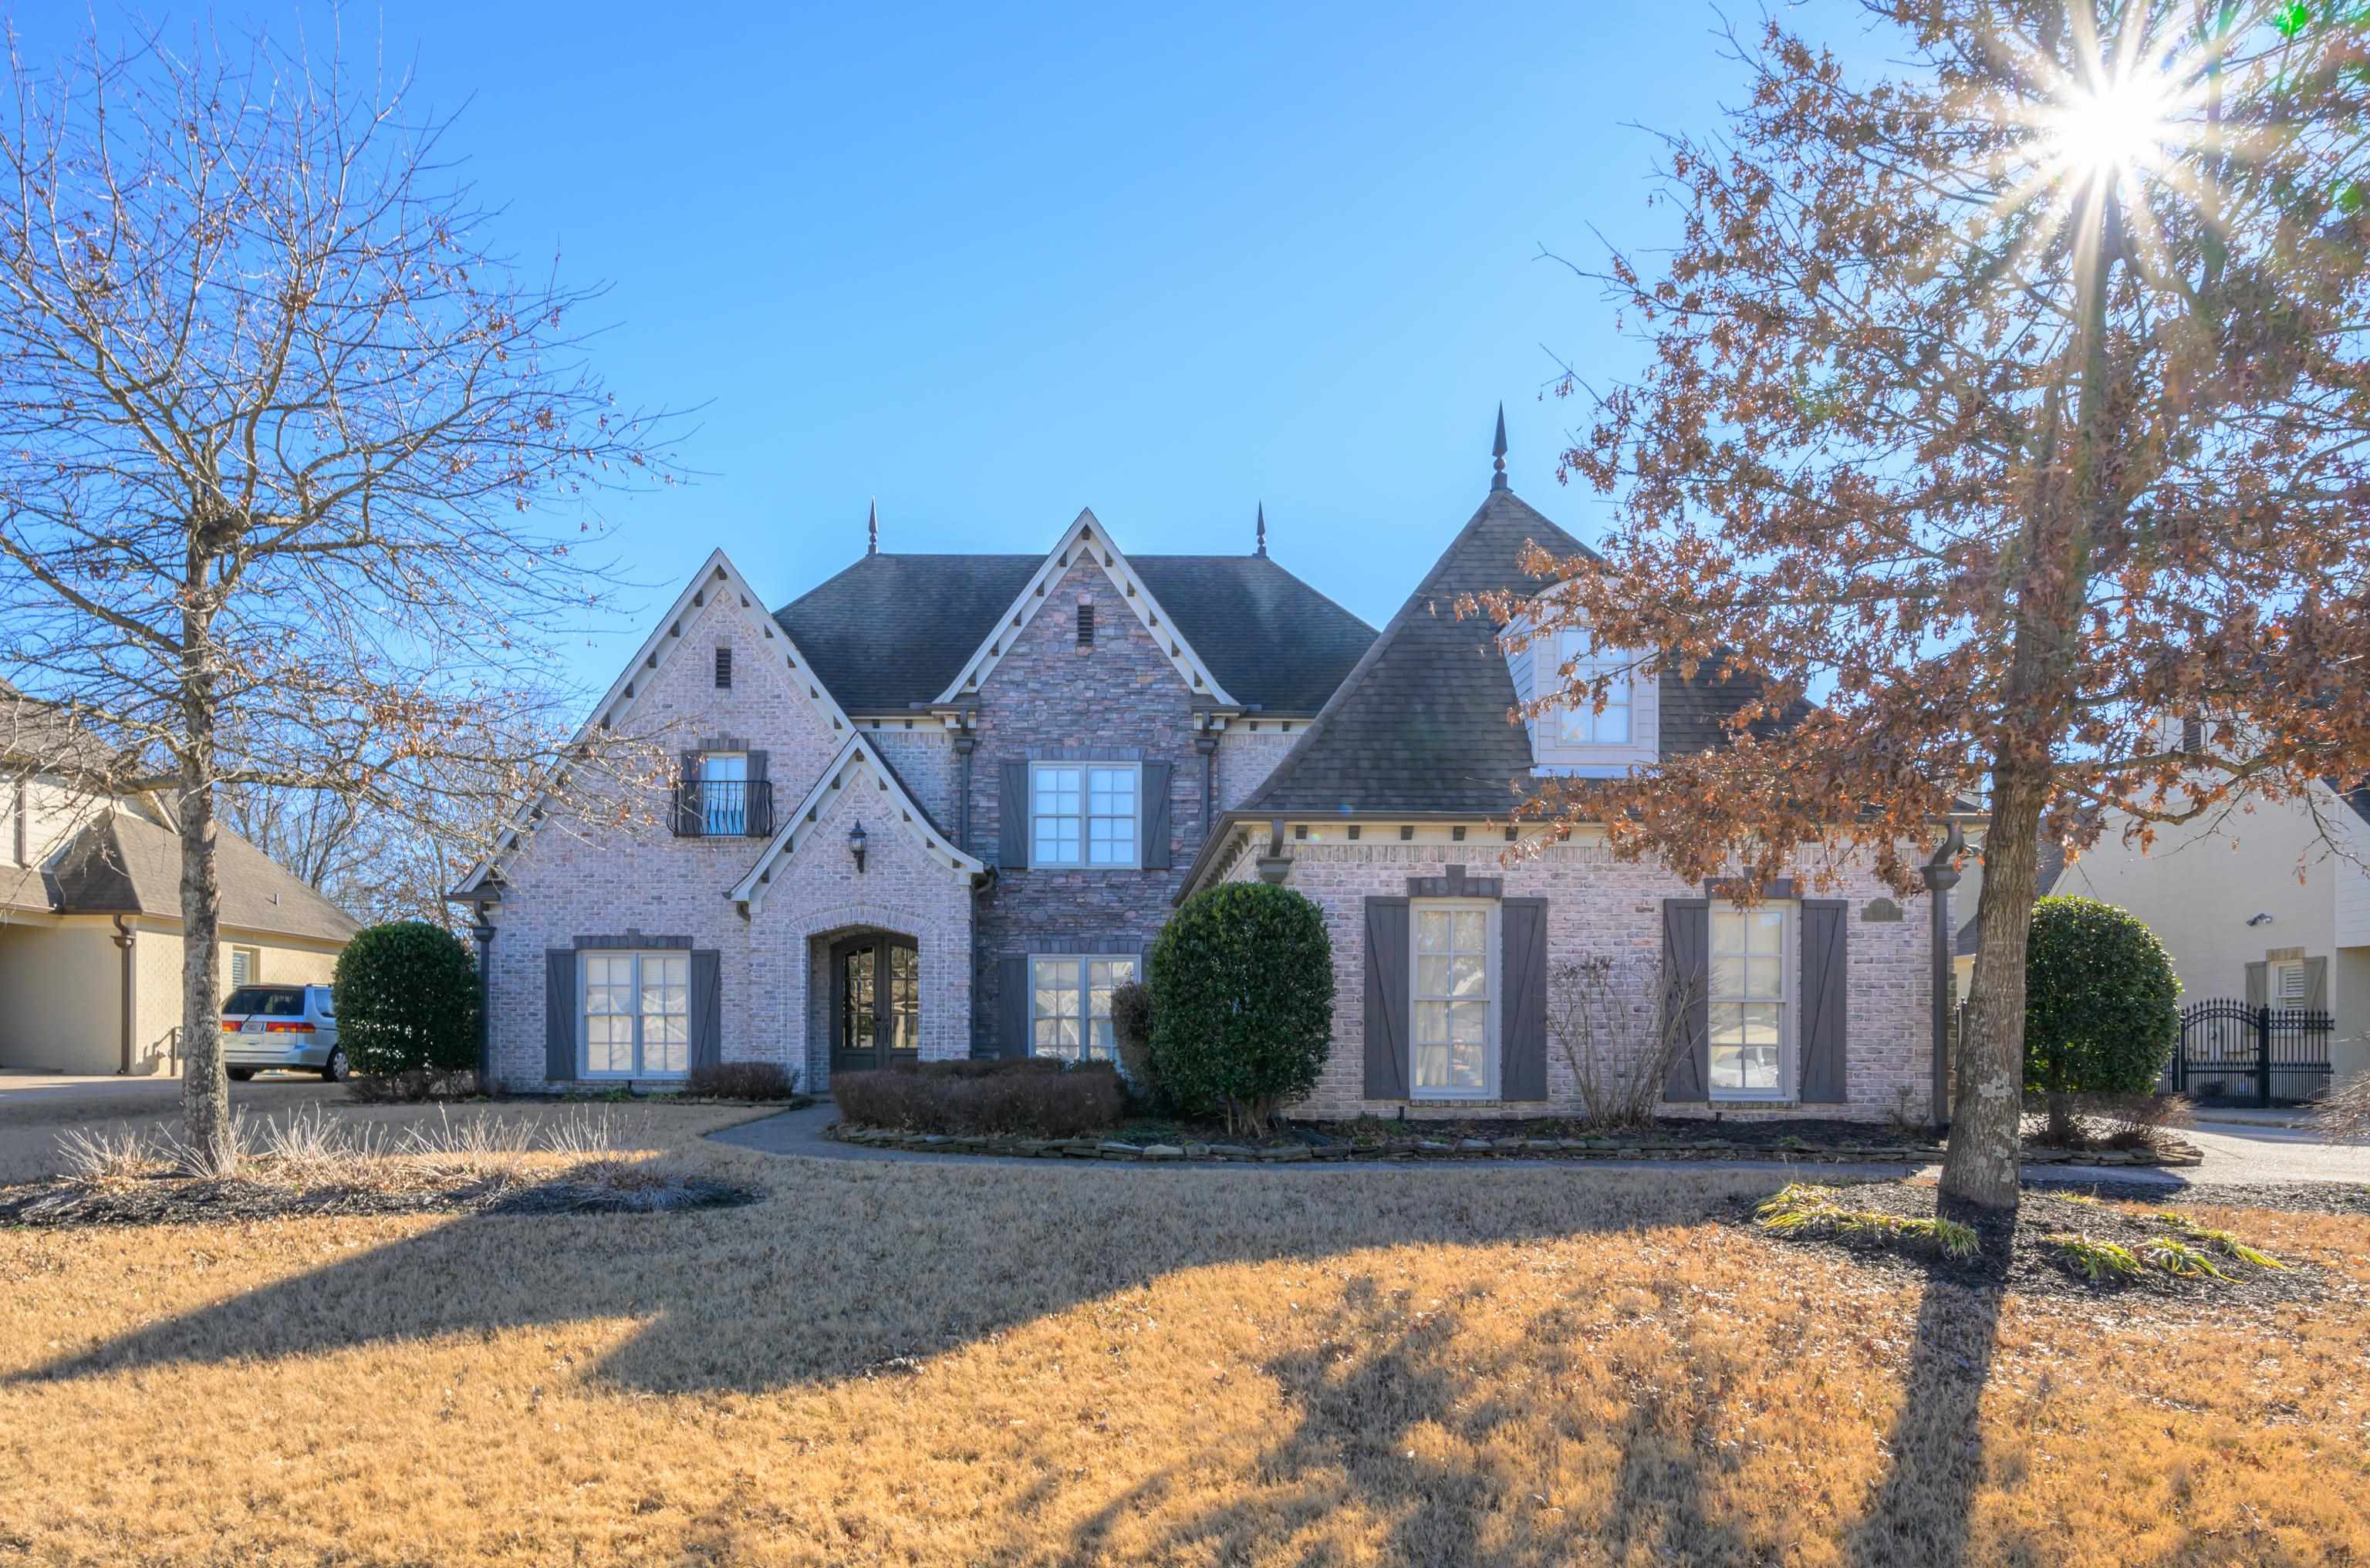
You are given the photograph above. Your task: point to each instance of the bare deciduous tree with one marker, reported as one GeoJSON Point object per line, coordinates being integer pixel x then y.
{"type": "Point", "coordinates": [1620, 1029]}
{"type": "Point", "coordinates": [294, 469]}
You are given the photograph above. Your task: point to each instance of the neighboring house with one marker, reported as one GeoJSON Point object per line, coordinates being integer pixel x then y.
{"type": "Point", "coordinates": [2271, 906]}
{"type": "Point", "coordinates": [90, 915]}
{"type": "Point", "coordinates": [940, 805]}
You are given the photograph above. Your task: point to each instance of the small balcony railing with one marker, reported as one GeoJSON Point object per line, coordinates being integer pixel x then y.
{"type": "Point", "coordinates": [725, 809]}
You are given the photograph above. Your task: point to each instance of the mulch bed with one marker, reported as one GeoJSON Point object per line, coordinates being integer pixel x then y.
{"type": "Point", "coordinates": [2023, 1262]}
{"type": "Point", "coordinates": [181, 1200]}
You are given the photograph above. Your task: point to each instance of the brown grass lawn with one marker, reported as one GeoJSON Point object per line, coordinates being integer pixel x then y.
{"type": "Point", "coordinates": [955, 1363]}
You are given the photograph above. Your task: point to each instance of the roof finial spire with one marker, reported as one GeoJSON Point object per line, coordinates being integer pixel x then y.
{"type": "Point", "coordinates": [872, 529]}
{"type": "Point", "coordinates": [1497, 453]}
{"type": "Point", "coordinates": [1261, 551]}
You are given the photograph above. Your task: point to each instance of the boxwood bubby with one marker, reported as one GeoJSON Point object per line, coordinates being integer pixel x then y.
{"type": "Point", "coordinates": [1242, 1002]}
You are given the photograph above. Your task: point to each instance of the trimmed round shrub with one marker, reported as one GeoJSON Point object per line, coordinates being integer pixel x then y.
{"type": "Point", "coordinates": [1242, 1002]}
{"type": "Point", "coordinates": [408, 1000]}
{"type": "Point", "coordinates": [2101, 1004]}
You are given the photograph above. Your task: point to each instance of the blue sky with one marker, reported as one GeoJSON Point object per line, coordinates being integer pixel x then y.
{"type": "Point", "coordinates": [995, 267]}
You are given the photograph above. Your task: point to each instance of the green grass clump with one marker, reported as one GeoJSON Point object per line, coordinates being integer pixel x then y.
{"type": "Point", "coordinates": [2222, 1240]}
{"type": "Point", "coordinates": [2179, 1258]}
{"type": "Point", "coordinates": [2095, 1260]}
{"type": "Point", "coordinates": [1802, 1209]}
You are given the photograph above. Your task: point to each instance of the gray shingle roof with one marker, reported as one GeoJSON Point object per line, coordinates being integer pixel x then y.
{"type": "Point", "coordinates": [124, 863]}
{"type": "Point", "coordinates": [1421, 725]}
{"type": "Point", "coordinates": [892, 631]}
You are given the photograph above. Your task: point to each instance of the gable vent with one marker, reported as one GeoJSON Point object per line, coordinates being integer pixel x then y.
{"type": "Point", "coordinates": [724, 670]}
{"type": "Point", "coordinates": [1085, 624]}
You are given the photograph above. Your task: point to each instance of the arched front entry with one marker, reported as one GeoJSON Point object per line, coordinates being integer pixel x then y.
{"type": "Point", "coordinates": [876, 1002]}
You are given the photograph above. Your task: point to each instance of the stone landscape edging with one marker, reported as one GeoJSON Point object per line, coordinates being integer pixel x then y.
{"type": "Point", "coordinates": [1013, 1146]}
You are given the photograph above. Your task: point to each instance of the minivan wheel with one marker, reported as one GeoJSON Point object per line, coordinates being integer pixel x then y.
{"type": "Point", "coordinates": [240, 1074]}
{"type": "Point", "coordinates": [334, 1070]}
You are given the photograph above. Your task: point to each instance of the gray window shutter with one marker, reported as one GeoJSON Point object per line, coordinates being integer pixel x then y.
{"type": "Point", "coordinates": [1523, 1009]}
{"type": "Point", "coordinates": [1686, 981]}
{"type": "Point", "coordinates": [707, 1008]}
{"type": "Point", "coordinates": [559, 1013]}
{"type": "Point", "coordinates": [1012, 1004]}
{"type": "Point", "coordinates": [761, 799]}
{"type": "Point", "coordinates": [686, 797]}
{"type": "Point", "coordinates": [1825, 932]}
{"type": "Point", "coordinates": [1012, 818]}
{"type": "Point", "coordinates": [2258, 984]}
{"type": "Point", "coordinates": [2316, 984]}
{"type": "Point", "coordinates": [1155, 836]}
{"type": "Point", "coordinates": [1388, 1019]}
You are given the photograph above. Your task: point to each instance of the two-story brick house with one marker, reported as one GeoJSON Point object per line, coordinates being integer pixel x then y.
{"type": "Point", "coordinates": [940, 805]}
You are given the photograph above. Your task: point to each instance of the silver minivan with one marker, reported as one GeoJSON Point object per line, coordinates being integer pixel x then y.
{"type": "Point", "coordinates": [284, 1026]}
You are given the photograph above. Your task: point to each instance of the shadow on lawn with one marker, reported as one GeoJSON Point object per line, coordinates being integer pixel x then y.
{"type": "Point", "coordinates": [1923, 1510]}
{"type": "Point", "coordinates": [847, 1269]}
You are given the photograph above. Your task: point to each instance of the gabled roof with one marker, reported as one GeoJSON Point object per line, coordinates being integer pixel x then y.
{"type": "Point", "coordinates": [906, 815]}
{"type": "Point", "coordinates": [717, 575]}
{"type": "Point", "coordinates": [123, 864]}
{"type": "Point", "coordinates": [894, 631]}
{"type": "Point", "coordinates": [1420, 724]}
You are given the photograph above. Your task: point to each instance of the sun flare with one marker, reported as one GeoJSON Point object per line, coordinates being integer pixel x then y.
{"type": "Point", "coordinates": [2112, 129]}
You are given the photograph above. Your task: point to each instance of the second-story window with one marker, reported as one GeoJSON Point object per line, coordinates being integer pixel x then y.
{"type": "Point", "coordinates": [1583, 724]}
{"type": "Point", "coordinates": [1082, 813]}
{"type": "Point", "coordinates": [724, 793]}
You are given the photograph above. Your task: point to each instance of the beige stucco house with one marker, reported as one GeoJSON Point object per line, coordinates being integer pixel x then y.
{"type": "Point", "coordinates": [90, 922]}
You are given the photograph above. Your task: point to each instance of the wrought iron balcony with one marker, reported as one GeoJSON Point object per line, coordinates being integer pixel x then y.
{"type": "Point", "coordinates": [724, 809]}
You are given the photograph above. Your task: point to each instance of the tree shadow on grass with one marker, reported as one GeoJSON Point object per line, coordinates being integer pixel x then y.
{"type": "Point", "coordinates": [1923, 1510]}
{"type": "Point", "coordinates": [1391, 1452]}
{"type": "Point", "coordinates": [848, 1268]}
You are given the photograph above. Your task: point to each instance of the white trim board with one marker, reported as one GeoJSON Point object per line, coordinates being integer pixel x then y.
{"type": "Point", "coordinates": [1087, 534]}
{"type": "Point", "coordinates": [909, 820]}
{"type": "Point", "coordinates": [718, 575]}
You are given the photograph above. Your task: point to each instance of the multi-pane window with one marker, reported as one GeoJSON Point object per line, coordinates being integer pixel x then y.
{"type": "Point", "coordinates": [1082, 813]}
{"type": "Point", "coordinates": [1070, 1006]}
{"type": "Point", "coordinates": [1582, 725]}
{"type": "Point", "coordinates": [1748, 1001]}
{"type": "Point", "coordinates": [724, 793]}
{"type": "Point", "coordinates": [637, 1014]}
{"type": "Point", "coordinates": [1452, 996]}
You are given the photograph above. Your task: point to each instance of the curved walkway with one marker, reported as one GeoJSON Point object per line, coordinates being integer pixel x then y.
{"type": "Point", "coordinates": [2234, 1154]}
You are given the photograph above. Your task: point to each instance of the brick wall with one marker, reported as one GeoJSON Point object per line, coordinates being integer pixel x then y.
{"type": "Point", "coordinates": [1245, 757]}
{"type": "Point", "coordinates": [1122, 699]}
{"type": "Point", "coordinates": [561, 884]}
{"type": "Point", "coordinates": [1597, 904]}
{"type": "Point", "coordinates": [925, 758]}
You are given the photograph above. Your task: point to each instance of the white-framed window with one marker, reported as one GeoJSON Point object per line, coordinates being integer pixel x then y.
{"type": "Point", "coordinates": [2290, 983]}
{"type": "Point", "coordinates": [1084, 814]}
{"type": "Point", "coordinates": [724, 793]}
{"type": "Point", "coordinates": [637, 1014]}
{"type": "Point", "coordinates": [1751, 1004]}
{"type": "Point", "coordinates": [246, 967]}
{"type": "Point", "coordinates": [1070, 1005]}
{"type": "Point", "coordinates": [1454, 994]}
{"type": "Point", "coordinates": [1582, 725]}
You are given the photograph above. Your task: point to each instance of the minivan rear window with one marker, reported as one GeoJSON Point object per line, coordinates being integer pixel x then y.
{"type": "Point", "coordinates": [272, 1002]}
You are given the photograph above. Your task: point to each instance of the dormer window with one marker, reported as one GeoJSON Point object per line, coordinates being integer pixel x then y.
{"type": "Point", "coordinates": [1582, 737]}
{"type": "Point", "coordinates": [1584, 724]}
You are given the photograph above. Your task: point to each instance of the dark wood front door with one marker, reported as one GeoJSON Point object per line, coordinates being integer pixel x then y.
{"type": "Point", "coordinates": [876, 1002]}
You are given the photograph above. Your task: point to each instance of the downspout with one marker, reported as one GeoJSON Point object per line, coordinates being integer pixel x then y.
{"type": "Point", "coordinates": [1941, 875]}
{"type": "Point", "coordinates": [124, 937]}
{"type": "Point", "coordinates": [1206, 743]}
{"type": "Point", "coordinates": [965, 744]}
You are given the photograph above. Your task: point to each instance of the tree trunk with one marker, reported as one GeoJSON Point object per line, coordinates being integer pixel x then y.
{"type": "Point", "coordinates": [206, 1091]}
{"type": "Point", "coordinates": [1979, 1170]}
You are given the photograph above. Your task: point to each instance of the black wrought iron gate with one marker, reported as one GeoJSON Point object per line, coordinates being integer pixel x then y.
{"type": "Point", "coordinates": [2234, 1054]}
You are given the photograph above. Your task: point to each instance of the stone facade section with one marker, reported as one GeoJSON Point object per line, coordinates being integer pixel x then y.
{"type": "Point", "coordinates": [1597, 904]}
{"type": "Point", "coordinates": [561, 883]}
{"type": "Point", "coordinates": [1119, 701]}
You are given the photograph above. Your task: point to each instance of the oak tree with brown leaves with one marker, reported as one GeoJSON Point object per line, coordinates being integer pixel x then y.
{"type": "Point", "coordinates": [294, 467]}
{"type": "Point", "coordinates": [2009, 405]}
